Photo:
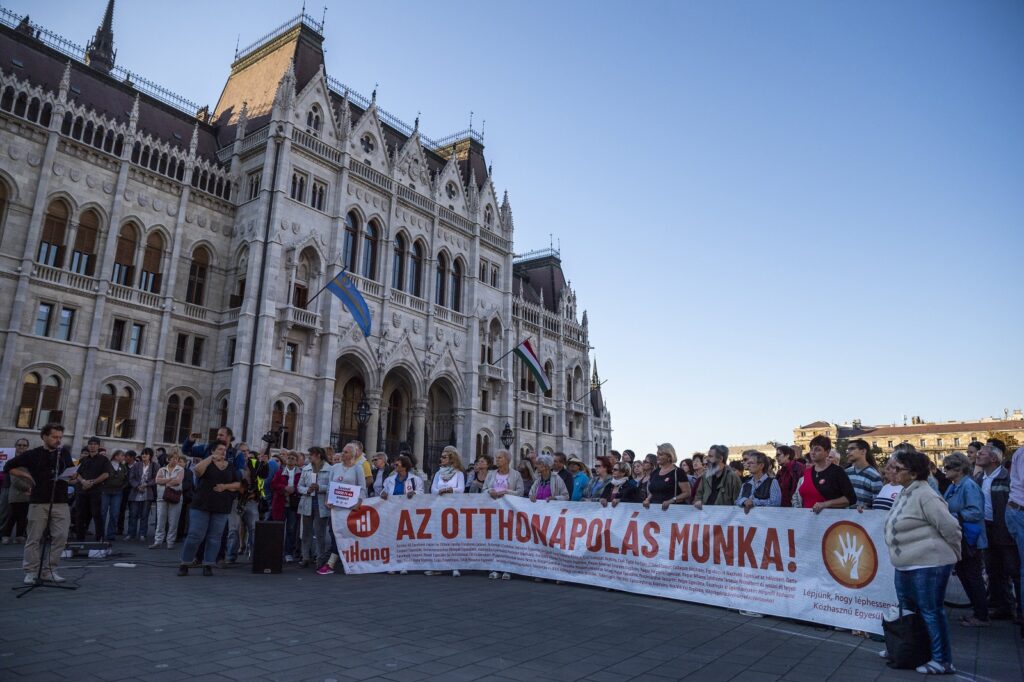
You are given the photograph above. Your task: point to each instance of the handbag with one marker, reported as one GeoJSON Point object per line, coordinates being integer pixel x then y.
{"type": "Point", "coordinates": [172, 496]}
{"type": "Point", "coordinates": [907, 641]}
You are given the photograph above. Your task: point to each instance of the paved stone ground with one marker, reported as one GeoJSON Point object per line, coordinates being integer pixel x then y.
{"type": "Point", "coordinates": [147, 623]}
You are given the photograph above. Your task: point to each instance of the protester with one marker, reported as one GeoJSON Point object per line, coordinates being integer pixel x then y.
{"type": "Point", "coordinates": [580, 480]}
{"type": "Point", "coordinates": [130, 458]}
{"type": "Point", "coordinates": [668, 484]}
{"type": "Point", "coordinates": [450, 476]}
{"type": "Point", "coordinates": [208, 517]}
{"type": "Point", "coordinates": [285, 505]}
{"type": "Point", "coordinates": [560, 468]}
{"type": "Point", "coordinates": [548, 485]}
{"type": "Point", "coordinates": [478, 476]}
{"type": "Point", "coordinates": [720, 484]}
{"type": "Point", "coordinates": [790, 473]}
{"type": "Point", "coordinates": [142, 482]}
{"type": "Point", "coordinates": [314, 485]}
{"type": "Point", "coordinates": [824, 484]}
{"type": "Point", "coordinates": [111, 492]}
{"type": "Point", "coordinates": [863, 472]}
{"type": "Point", "coordinates": [603, 474]}
{"type": "Point", "coordinates": [527, 473]}
{"type": "Point", "coordinates": [1002, 560]}
{"type": "Point", "coordinates": [402, 480]}
{"type": "Point", "coordinates": [967, 505]}
{"type": "Point", "coordinates": [890, 491]}
{"type": "Point", "coordinates": [93, 470]}
{"type": "Point", "coordinates": [1015, 517]}
{"type": "Point", "coordinates": [381, 470]}
{"type": "Point", "coordinates": [972, 455]}
{"type": "Point", "coordinates": [644, 477]}
{"type": "Point", "coordinates": [168, 501]}
{"type": "Point", "coordinates": [501, 481]}
{"type": "Point", "coordinates": [18, 497]}
{"type": "Point", "coordinates": [761, 489]}
{"type": "Point", "coordinates": [620, 487]}
{"type": "Point", "coordinates": [924, 544]}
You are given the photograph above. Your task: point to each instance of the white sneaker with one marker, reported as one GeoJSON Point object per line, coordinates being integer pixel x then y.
{"type": "Point", "coordinates": [455, 574]}
{"type": "Point", "coordinates": [506, 576]}
{"type": "Point", "coordinates": [429, 572]}
{"type": "Point", "coordinates": [289, 558]}
{"type": "Point", "coordinates": [29, 579]}
{"type": "Point", "coordinates": [884, 653]}
{"type": "Point", "coordinates": [749, 614]}
{"type": "Point", "coordinates": [54, 578]}
{"type": "Point", "coordinates": [493, 575]}
{"type": "Point", "coordinates": [403, 572]}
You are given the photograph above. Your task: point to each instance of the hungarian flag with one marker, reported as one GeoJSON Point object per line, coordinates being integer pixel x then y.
{"type": "Point", "coordinates": [526, 354]}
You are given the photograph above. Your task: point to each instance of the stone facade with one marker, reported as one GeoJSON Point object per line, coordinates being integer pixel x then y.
{"type": "Point", "coordinates": [160, 266]}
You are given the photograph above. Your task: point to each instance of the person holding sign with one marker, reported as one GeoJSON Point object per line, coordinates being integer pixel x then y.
{"type": "Point", "coordinates": [761, 490]}
{"type": "Point", "coordinates": [349, 472]}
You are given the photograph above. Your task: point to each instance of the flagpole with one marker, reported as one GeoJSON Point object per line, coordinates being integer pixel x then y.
{"type": "Point", "coordinates": [505, 355]}
{"type": "Point", "coordinates": [584, 396]}
{"type": "Point", "coordinates": [325, 286]}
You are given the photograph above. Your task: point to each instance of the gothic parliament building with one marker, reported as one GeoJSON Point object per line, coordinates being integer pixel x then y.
{"type": "Point", "coordinates": [160, 261]}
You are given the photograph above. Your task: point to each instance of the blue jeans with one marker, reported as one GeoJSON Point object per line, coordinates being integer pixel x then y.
{"type": "Point", "coordinates": [291, 526]}
{"type": "Point", "coordinates": [923, 590]}
{"type": "Point", "coordinates": [1015, 524]}
{"type": "Point", "coordinates": [236, 522]}
{"type": "Point", "coordinates": [203, 525]}
{"type": "Point", "coordinates": [110, 504]}
{"type": "Point", "coordinates": [138, 519]}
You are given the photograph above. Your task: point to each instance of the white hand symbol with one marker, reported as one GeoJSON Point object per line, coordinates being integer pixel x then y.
{"type": "Point", "coordinates": [850, 556]}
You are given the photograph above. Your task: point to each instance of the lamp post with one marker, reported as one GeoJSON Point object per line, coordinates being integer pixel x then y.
{"type": "Point", "coordinates": [508, 436]}
{"type": "Point", "coordinates": [362, 416]}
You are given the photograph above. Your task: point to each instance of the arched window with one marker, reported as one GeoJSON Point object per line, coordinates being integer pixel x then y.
{"type": "Point", "coordinates": [441, 280]}
{"type": "Point", "coordinates": [398, 264]}
{"type": "Point", "coordinates": [178, 423]}
{"type": "Point", "coordinates": [28, 407]}
{"type": "Point", "coordinates": [370, 251]}
{"type": "Point", "coordinates": [488, 216]}
{"type": "Point", "coordinates": [314, 121]}
{"type": "Point", "coordinates": [549, 371]}
{"type": "Point", "coordinates": [195, 293]}
{"type": "Point", "coordinates": [305, 277]}
{"type": "Point", "coordinates": [223, 421]}
{"type": "Point", "coordinates": [115, 417]}
{"type": "Point", "coordinates": [51, 243]}
{"type": "Point", "coordinates": [455, 286]}
{"type": "Point", "coordinates": [151, 261]}
{"type": "Point", "coordinates": [416, 270]}
{"type": "Point", "coordinates": [287, 415]}
{"type": "Point", "coordinates": [83, 258]}
{"type": "Point", "coordinates": [350, 245]}
{"type": "Point", "coordinates": [124, 256]}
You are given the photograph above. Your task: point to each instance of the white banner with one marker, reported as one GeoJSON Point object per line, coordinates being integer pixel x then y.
{"type": "Point", "coordinates": [830, 568]}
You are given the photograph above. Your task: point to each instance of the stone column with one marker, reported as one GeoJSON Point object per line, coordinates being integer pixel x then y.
{"type": "Point", "coordinates": [373, 399]}
{"type": "Point", "coordinates": [419, 423]}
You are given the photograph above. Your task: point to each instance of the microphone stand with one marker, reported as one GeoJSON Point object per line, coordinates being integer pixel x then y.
{"type": "Point", "coordinates": [44, 553]}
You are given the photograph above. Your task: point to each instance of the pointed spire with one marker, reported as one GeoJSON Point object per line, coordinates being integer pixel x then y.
{"type": "Point", "coordinates": [285, 95]}
{"type": "Point", "coordinates": [133, 118]}
{"type": "Point", "coordinates": [585, 323]}
{"type": "Point", "coordinates": [65, 82]}
{"type": "Point", "coordinates": [596, 380]}
{"type": "Point", "coordinates": [194, 142]}
{"type": "Point", "coordinates": [346, 116]}
{"type": "Point", "coordinates": [100, 53]}
{"type": "Point", "coordinates": [243, 119]}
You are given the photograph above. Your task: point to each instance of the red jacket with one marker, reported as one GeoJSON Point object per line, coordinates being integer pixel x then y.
{"type": "Point", "coordinates": [789, 478]}
{"type": "Point", "coordinates": [280, 500]}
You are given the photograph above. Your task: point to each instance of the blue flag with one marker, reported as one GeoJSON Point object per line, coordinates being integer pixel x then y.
{"type": "Point", "coordinates": [345, 289]}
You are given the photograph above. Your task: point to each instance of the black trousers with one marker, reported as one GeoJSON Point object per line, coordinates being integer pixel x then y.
{"type": "Point", "coordinates": [1002, 563]}
{"type": "Point", "coordinates": [122, 510]}
{"type": "Point", "coordinates": [968, 569]}
{"type": "Point", "coordinates": [89, 506]}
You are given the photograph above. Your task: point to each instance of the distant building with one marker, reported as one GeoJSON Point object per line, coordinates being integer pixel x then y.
{"type": "Point", "coordinates": [934, 438]}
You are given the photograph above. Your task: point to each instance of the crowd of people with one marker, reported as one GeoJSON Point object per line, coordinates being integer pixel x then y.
{"type": "Point", "coordinates": [966, 516]}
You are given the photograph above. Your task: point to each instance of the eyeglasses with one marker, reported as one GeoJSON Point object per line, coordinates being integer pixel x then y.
{"type": "Point", "coordinates": [950, 467]}
{"type": "Point", "coordinates": [893, 467]}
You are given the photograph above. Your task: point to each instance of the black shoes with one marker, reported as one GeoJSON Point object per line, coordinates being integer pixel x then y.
{"type": "Point", "coordinates": [207, 571]}
{"type": "Point", "coordinates": [183, 570]}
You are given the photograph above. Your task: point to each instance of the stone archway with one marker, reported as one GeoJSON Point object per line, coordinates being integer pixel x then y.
{"type": "Point", "coordinates": [398, 396]}
{"type": "Point", "coordinates": [441, 426]}
{"type": "Point", "coordinates": [350, 386]}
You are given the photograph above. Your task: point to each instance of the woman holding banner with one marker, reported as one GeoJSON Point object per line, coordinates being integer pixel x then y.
{"type": "Point", "coordinates": [620, 488]}
{"type": "Point", "coordinates": [924, 544]}
{"type": "Point", "coordinates": [761, 489]}
{"type": "Point", "coordinates": [450, 478]}
{"type": "Point", "coordinates": [545, 486]}
{"type": "Point", "coordinates": [500, 482]}
{"type": "Point", "coordinates": [668, 484]}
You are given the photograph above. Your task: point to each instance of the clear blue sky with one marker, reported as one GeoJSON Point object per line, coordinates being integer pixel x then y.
{"type": "Point", "coordinates": [775, 212]}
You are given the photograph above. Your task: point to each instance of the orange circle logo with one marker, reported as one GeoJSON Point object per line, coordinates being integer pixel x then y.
{"type": "Point", "coordinates": [849, 554]}
{"type": "Point", "coordinates": [363, 522]}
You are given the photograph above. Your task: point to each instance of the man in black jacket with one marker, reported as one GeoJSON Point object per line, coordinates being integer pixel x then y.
{"type": "Point", "coordinates": [1002, 561]}
{"type": "Point", "coordinates": [41, 468]}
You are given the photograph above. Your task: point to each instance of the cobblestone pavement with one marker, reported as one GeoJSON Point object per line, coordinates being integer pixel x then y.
{"type": "Point", "coordinates": [147, 623]}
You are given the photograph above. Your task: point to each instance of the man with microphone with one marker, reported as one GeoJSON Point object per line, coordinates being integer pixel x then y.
{"type": "Point", "coordinates": [40, 468]}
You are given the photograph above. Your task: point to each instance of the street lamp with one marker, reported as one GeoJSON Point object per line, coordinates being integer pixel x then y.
{"type": "Point", "coordinates": [507, 436]}
{"type": "Point", "coordinates": [363, 411]}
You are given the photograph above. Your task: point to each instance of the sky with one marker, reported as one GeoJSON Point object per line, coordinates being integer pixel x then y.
{"type": "Point", "coordinates": [774, 212]}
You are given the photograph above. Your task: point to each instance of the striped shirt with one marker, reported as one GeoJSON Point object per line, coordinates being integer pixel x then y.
{"type": "Point", "coordinates": [867, 483]}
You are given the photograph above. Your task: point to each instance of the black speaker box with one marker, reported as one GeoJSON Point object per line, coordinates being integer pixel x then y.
{"type": "Point", "coordinates": [268, 549]}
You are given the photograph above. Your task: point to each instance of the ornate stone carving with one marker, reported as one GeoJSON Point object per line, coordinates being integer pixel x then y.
{"type": "Point", "coordinates": [58, 169]}
{"type": "Point", "coordinates": [91, 181]}
{"type": "Point", "coordinates": [34, 160]}
{"type": "Point", "coordinates": [16, 154]}
{"type": "Point", "coordinates": [108, 188]}
{"type": "Point", "coordinates": [396, 320]}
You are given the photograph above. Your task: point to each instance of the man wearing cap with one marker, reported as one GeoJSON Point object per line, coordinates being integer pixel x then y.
{"type": "Point", "coordinates": [578, 470]}
{"type": "Point", "coordinates": [93, 470]}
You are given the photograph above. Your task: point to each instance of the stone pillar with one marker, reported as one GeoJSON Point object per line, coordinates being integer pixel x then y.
{"type": "Point", "coordinates": [373, 399]}
{"type": "Point", "coordinates": [419, 424]}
